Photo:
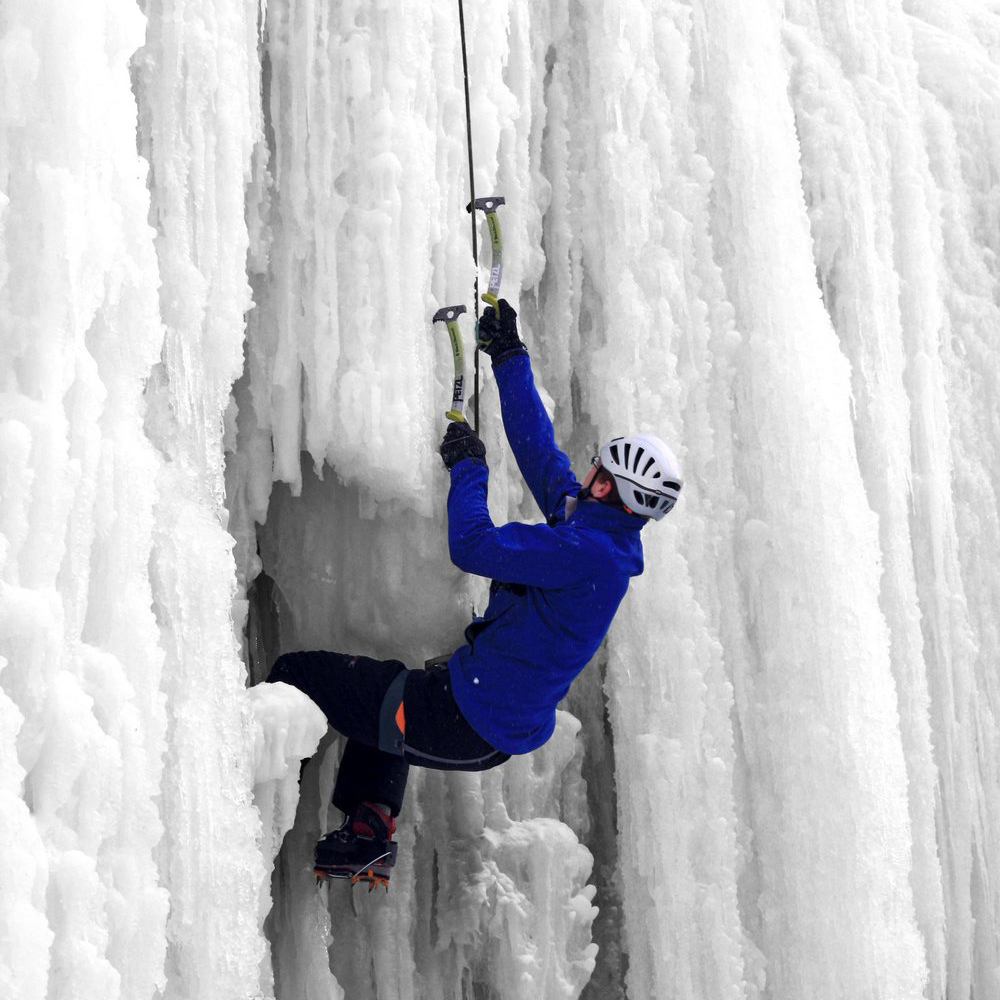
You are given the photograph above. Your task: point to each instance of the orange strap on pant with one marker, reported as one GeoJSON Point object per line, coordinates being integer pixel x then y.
{"type": "Point", "coordinates": [392, 716]}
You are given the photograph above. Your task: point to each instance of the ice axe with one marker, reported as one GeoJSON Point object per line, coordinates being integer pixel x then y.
{"type": "Point", "coordinates": [490, 206]}
{"type": "Point", "coordinates": [449, 315]}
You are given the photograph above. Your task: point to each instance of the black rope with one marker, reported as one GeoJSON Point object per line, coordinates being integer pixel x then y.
{"type": "Point", "coordinates": [472, 207]}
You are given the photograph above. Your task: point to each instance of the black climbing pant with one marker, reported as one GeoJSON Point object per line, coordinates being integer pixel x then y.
{"type": "Point", "coordinates": [392, 718]}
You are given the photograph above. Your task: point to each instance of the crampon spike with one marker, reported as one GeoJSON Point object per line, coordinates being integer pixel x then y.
{"type": "Point", "coordinates": [372, 879]}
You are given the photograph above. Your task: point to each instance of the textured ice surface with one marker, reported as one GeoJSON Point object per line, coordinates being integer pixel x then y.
{"type": "Point", "coordinates": [769, 233]}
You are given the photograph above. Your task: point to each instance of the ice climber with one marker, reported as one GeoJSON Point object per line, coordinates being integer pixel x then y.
{"type": "Point", "coordinates": [555, 589]}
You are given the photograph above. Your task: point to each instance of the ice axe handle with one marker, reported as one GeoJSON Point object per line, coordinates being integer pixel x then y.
{"type": "Point", "coordinates": [449, 315]}
{"type": "Point", "coordinates": [491, 296]}
{"type": "Point", "coordinates": [489, 206]}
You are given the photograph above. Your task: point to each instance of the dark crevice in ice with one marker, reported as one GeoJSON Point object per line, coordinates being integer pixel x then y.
{"type": "Point", "coordinates": [267, 608]}
{"type": "Point", "coordinates": [588, 702]}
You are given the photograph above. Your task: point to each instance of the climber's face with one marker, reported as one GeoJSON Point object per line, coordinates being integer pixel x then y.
{"type": "Point", "coordinates": [599, 488]}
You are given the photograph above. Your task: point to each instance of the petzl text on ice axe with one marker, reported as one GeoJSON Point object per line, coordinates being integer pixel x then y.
{"type": "Point", "coordinates": [449, 315]}
{"type": "Point", "coordinates": [490, 206]}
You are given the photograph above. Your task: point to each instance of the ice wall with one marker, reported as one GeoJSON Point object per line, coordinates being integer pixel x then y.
{"type": "Point", "coordinates": [83, 906]}
{"type": "Point", "coordinates": [750, 222]}
{"type": "Point", "coordinates": [132, 863]}
{"type": "Point", "coordinates": [196, 83]}
{"type": "Point", "coordinates": [766, 231]}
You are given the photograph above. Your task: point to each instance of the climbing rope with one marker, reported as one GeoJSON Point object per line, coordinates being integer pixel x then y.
{"type": "Point", "coordinates": [472, 202]}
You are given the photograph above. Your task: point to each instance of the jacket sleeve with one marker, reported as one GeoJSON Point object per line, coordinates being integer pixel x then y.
{"type": "Point", "coordinates": [545, 468]}
{"type": "Point", "coordinates": [532, 554]}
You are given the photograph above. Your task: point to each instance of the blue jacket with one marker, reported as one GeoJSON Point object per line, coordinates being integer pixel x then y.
{"type": "Point", "coordinates": [556, 586]}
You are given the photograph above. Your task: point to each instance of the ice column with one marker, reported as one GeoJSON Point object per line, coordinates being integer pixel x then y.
{"type": "Point", "coordinates": [339, 351]}
{"type": "Point", "coordinates": [198, 89]}
{"type": "Point", "coordinates": [817, 701]}
{"type": "Point", "coordinates": [953, 379]}
{"type": "Point", "coordinates": [872, 207]}
{"type": "Point", "coordinates": [82, 720]}
{"type": "Point", "coordinates": [646, 278]}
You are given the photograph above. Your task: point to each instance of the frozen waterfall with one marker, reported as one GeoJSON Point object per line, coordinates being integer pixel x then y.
{"type": "Point", "coordinates": [767, 231]}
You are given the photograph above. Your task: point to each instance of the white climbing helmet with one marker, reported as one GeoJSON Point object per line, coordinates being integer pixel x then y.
{"type": "Point", "coordinates": [646, 472]}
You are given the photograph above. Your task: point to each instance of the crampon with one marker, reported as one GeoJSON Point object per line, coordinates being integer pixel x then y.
{"type": "Point", "coordinates": [375, 874]}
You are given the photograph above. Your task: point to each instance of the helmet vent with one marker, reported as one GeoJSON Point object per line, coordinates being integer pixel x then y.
{"type": "Point", "coordinates": [673, 486]}
{"type": "Point", "coordinates": [648, 464]}
{"type": "Point", "coordinates": [628, 448]}
{"type": "Point", "coordinates": [614, 454]}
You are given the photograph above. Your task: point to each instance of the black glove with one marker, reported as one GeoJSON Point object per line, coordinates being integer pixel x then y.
{"type": "Point", "coordinates": [497, 334]}
{"type": "Point", "coordinates": [461, 441]}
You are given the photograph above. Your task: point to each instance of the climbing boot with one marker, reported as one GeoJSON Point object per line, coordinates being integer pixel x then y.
{"type": "Point", "coordinates": [362, 850]}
